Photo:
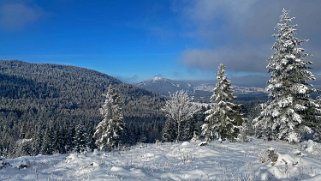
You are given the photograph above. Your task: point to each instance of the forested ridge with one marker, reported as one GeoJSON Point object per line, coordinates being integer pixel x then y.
{"type": "Point", "coordinates": [42, 104]}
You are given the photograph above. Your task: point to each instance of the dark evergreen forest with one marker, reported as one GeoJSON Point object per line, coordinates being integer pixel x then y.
{"type": "Point", "coordinates": [42, 105]}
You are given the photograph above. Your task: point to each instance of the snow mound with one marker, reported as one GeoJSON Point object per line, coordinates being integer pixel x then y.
{"type": "Point", "coordinates": [297, 152]}
{"type": "Point", "coordinates": [185, 143]}
{"type": "Point", "coordinates": [94, 164]}
{"type": "Point", "coordinates": [312, 147]}
{"type": "Point", "coordinates": [117, 169]}
{"type": "Point", "coordinates": [137, 172]}
{"type": "Point", "coordinates": [72, 158]}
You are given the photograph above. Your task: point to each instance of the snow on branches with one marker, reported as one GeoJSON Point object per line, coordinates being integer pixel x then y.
{"type": "Point", "coordinates": [109, 130]}
{"type": "Point", "coordinates": [179, 108]}
{"type": "Point", "coordinates": [223, 119]}
{"type": "Point", "coordinates": [290, 112]}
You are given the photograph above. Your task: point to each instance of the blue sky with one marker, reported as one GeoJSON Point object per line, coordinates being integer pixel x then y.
{"type": "Point", "coordinates": [135, 40]}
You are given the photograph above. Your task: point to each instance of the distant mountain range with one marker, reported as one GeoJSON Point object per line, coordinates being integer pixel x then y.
{"type": "Point", "coordinates": [200, 89]}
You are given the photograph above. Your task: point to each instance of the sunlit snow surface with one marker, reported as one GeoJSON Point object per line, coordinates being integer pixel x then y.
{"type": "Point", "coordinates": [176, 161]}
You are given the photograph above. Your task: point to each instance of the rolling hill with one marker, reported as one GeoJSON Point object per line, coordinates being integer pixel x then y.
{"type": "Point", "coordinates": [42, 101]}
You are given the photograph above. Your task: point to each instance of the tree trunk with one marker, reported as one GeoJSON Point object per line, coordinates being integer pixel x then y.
{"type": "Point", "coordinates": [178, 131]}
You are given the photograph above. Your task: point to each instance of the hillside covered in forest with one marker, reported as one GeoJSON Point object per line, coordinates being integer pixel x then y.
{"type": "Point", "coordinates": [42, 105]}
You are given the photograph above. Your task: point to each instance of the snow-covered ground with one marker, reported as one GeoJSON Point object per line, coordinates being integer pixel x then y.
{"type": "Point", "coordinates": [175, 161]}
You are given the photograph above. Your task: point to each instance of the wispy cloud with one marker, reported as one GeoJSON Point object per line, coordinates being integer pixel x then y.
{"type": "Point", "coordinates": [18, 14]}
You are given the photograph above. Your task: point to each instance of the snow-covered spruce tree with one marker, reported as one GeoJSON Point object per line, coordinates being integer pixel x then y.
{"type": "Point", "coordinates": [47, 147]}
{"type": "Point", "coordinates": [290, 113]}
{"type": "Point", "coordinates": [179, 108]}
{"type": "Point", "coordinates": [169, 132]}
{"type": "Point", "coordinates": [109, 130]}
{"type": "Point", "coordinates": [81, 139]}
{"type": "Point", "coordinates": [223, 120]}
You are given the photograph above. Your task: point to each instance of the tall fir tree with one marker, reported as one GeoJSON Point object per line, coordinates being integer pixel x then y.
{"type": "Point", "coordinates": [223, 120]}
{"type": "Point", "coordinates": [47, 146]}
{"type": "Point", "coordinates": [179, 109]}
{"type": "Point", "coordinates": [290, 113]}
{"type": "Point", "coordinates": [81, 139]}
{"type": "Point", "coordinates": [169, 132]}
{"type": "Point", "coordinates": [109, 130]}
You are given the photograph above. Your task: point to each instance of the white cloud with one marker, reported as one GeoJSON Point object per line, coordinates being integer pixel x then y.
{"type": "Point", "coordinates": [18, 15]}
{"type": "Point", "coordinates": [239, 33]}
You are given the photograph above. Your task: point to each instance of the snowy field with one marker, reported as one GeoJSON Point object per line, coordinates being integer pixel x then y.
{"type": "Point", "coordinates": [174, 161]}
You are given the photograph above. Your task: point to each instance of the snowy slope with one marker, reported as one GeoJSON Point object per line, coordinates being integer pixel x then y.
{"type": "Point", "coordinates": [175, 161]}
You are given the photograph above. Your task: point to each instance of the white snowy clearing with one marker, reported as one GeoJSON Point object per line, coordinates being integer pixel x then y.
{"type": "Point", "coordinates": [174, 161]}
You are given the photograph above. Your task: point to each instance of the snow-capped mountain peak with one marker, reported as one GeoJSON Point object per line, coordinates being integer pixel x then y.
{"type": "Point", "coordinates": [158, 78]}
